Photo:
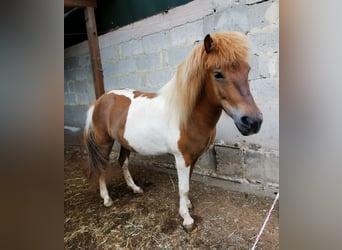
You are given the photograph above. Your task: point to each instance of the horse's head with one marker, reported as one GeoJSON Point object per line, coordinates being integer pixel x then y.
{"type": "Point", "coordinates": [227, 71]}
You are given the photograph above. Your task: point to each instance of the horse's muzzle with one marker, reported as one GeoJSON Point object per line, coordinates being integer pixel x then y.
{"type": "Point", "coordinates": [248, 125]}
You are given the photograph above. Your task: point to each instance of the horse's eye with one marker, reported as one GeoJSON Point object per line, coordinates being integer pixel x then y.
{"type": "Point", "coordinates": [218, 75]}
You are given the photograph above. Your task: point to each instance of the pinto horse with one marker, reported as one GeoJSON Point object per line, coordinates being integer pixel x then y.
{"type": "Point", "coordinates": [180, 119]}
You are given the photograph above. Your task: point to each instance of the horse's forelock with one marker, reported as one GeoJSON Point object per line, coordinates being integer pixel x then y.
{"type": "Point", "coordinates": [229, 50]}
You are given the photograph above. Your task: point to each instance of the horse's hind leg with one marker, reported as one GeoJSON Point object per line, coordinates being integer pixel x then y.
{"type": "Point", "coordinates": [105, 151]}
{"type": "Point", "coordinates": [123, 161]}
{"type": "Point", "coordinates": [107, 201]}
{"type": "Point", "coordinates": [98, 148]}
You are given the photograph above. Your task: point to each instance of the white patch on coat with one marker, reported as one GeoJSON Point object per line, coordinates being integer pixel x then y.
{"type": "Point", "coordinates": [149, 128]}
{"type": "Point", "coordinates": [125, 92]}
{"type": "Point", "coordinates": [89, 117]}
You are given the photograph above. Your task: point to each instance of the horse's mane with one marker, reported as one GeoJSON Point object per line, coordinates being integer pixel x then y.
{"type": "Point", "coordinates": [229, 49]}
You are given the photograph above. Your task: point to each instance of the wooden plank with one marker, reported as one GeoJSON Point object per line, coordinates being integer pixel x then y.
{"type": "Point", "coordinates": [80, 3]}
{"type": "Point", "coordinates": [94, 51]}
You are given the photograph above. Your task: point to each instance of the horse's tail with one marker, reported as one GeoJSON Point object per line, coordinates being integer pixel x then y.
{"type": "Point", "coordinates": [96, 160]}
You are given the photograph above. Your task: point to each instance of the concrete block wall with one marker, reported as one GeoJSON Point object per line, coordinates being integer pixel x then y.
{"type": "Point", "coordinates": [145, 55]}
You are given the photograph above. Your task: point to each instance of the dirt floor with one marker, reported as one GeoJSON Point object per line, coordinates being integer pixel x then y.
{"type": "Point", "coordinates": [225, 219]}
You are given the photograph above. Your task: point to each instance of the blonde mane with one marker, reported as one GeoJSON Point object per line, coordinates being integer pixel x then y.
{"type": "Point", "coordinates": [229, 49]}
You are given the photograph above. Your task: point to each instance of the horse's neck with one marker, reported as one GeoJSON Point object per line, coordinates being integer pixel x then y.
{"type": "Point", "coordinates": [206, 112]}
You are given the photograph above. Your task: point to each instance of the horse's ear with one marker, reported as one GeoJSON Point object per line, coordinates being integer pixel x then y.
{"type": "Point", "coordinates": [208, 43]}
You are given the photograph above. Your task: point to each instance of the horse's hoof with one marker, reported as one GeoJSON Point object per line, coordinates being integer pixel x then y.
{"type": "Point", "coordinates": [138, 191]}
{"type": "Point", "coordinates": [108, 203]}
{"type": "Point", "coordinates": [191, 229]}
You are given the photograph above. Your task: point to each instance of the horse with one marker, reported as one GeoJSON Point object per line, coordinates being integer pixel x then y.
{"type": "Point", "coordinates": [179, 119]}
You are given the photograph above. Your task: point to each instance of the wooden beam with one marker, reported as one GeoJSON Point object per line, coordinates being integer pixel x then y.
{"type": "Point", "coordinates": [80, 3]}
{"type": "Point", "coordinates": [94, 51]}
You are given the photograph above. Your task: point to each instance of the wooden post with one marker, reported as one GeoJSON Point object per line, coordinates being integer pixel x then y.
{"type": "Point", "coordinates": [94, 50]}
{"type": "Point", "coordinates": [80, 3]}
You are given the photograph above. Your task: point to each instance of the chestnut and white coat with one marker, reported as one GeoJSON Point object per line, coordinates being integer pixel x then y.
{"type": "Point", "coordinates": [180, 119]}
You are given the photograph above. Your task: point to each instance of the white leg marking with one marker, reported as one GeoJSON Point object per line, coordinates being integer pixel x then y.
{"type": "Point", "coordinates": [188, 203]}
{"type": "Point", "coordinates": [107, 201]}
{"type": "Point", "coordinates": [183, 186]}
{"type": "Point", "coordinates": [129, 179]}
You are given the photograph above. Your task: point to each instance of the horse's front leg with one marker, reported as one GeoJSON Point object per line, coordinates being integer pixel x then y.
{"type": "Point", "coordinates": [183, 172]}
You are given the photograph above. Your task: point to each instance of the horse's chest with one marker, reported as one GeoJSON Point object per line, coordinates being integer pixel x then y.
{"type": "Point", "coordinates": [194, 142]}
